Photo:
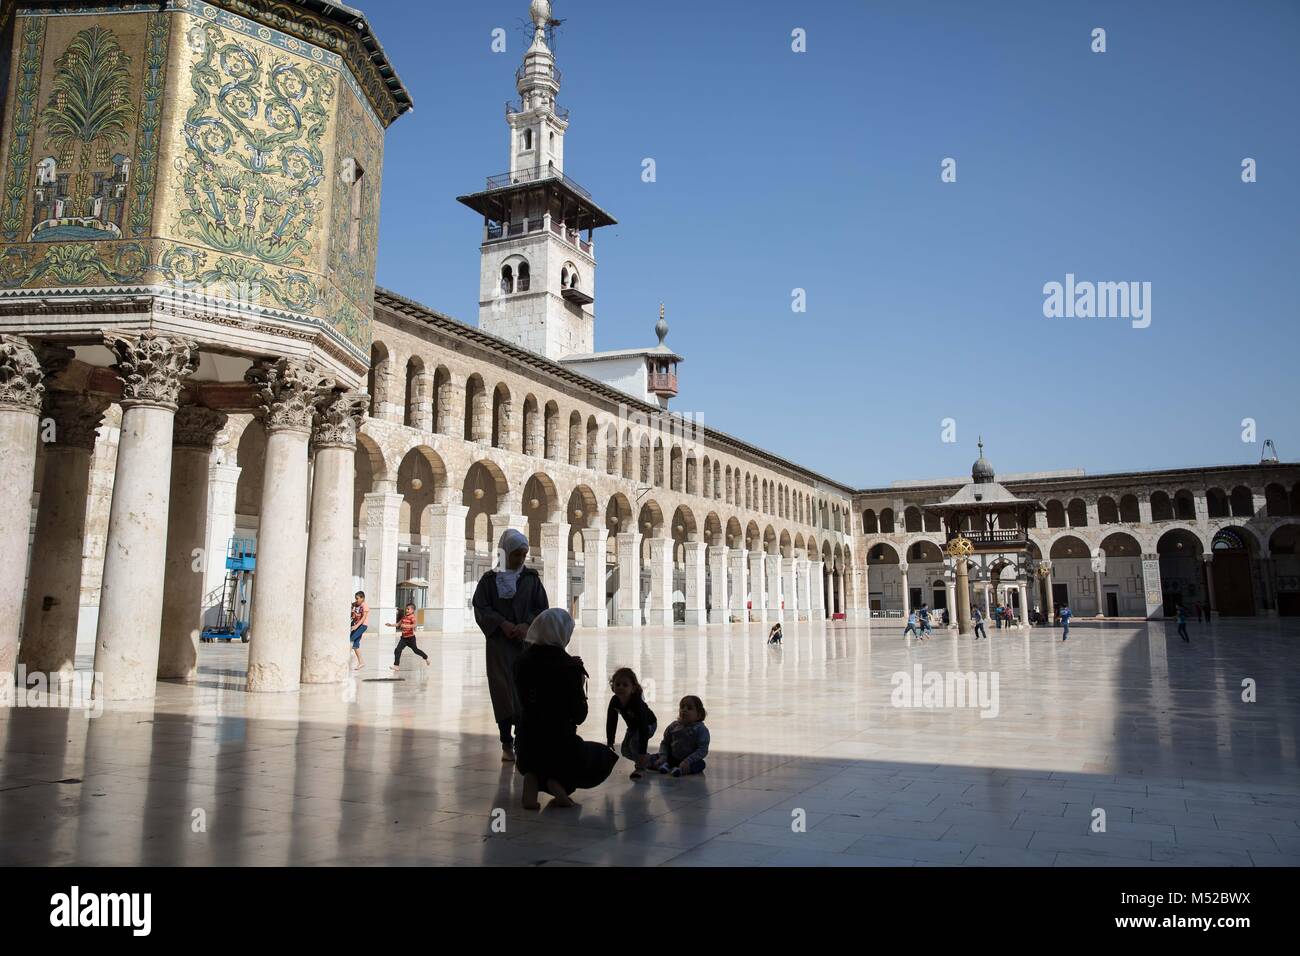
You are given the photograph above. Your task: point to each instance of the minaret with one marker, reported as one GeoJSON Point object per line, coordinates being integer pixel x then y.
{"type": "Point", "coordinates": [538, 270]}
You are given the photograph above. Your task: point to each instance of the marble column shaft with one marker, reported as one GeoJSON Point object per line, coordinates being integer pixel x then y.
{"type": "Point", "coordinates": [127, 637]}
{"type": "Point", "coordinates": [194, 429]}
{"type": "Point", "coordinates": [49, 642]}
{"type": "Point", "coordinates": [627, 600]}
{"type": "Point", "coordinates": [695, 583]}
{"type": "Point", "coordinates": [22, 391]}
{"type": "Point", "coordinates": [660, 610]}
{"type": "Point", "coordinates": [328, 589]}
{"type": "Point", "coordinates": [595, 613]}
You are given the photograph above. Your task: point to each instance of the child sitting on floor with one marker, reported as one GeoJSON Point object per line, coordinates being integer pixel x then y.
{"type": "Point", "coordinates": [686, 741]}
{"type": "Point", "coordinates": [628, 703]}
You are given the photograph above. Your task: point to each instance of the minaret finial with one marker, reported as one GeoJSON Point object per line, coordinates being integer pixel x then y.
{"type": "Point", "coordinates": [661, 327]}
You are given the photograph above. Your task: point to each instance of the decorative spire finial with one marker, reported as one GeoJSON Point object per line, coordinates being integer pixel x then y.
{"type": "Point", "coordinates": [661, 327]}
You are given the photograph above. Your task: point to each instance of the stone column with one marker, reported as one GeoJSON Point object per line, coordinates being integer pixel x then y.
{"type": "Point", "coordinates": [757, 587]}
{"type": "Point", "coordinates": [506, 519]}
{"type": "Point", "coordinates": [152, 368]}
{"type": "Point", "coordinates": [791, 595]}
{"type": "Point", "coordinates": [695, 585]}
{"type": "Point", "coordinates": [817, 590]}
{"type": "Point", "coordinates": [446, 609]}
{"type": "Point", "coordinates": [223, 482]}
{"type": "Point", "coordinates": [660, 611]}
{"type": "Point", "coordinates": [555, 561]}
{"type": "Point", "coordinates": [328, 596]}
{"type": "Point", "coordinates": [194, 429]}
{"type": "Point", "coordinates": [383, 511]}
{"type": "Point", "coordinates": [907, 593]}
{"type": "Point", "coordinates": [963, 597]}
{"type": "Point", "coordinates": [772, 588]}
{"type": "Point", "coordinates": [594, 611]}
{"type": "Point", "coordinates": [1101, 607]}
{"type": "Point", "coordinates": [1208, 558]}
{"type": "Point", "coordinates": [952, 602]}
{"type": "Point", "coordinates": [1023, 619]}
{"type": "Point", "coordinates": [1266, 574]}
{"type": "Point", "coordinates": [49, 644]}
{"type": "Point", "coordinates": [1049, 608]}
{"type": "Point", "coordinates": [718, 583]}
{"type": "Point", "coordinates": [737, 561]}
{"type": "Point", "coordinates": [288, 391]}
{"type": "Point", "coordinates": [627, 600]}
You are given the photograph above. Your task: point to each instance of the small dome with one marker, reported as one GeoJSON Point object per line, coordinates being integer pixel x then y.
{"type": "Point", "coordinates": [981, 472]}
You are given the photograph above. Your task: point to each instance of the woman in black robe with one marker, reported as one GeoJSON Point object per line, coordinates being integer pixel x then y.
{"type": "Point", "coordinates": [505, 602]}
{"type": "Point", "coordinates": [553, 694]}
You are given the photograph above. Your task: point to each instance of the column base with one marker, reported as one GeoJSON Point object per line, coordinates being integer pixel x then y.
{"type": "Point", "coordinates": [593, 618]}
{"type": "Point", "coordinates": [445, 619]}
{"type": "Point", "coordinates": [717, 616]}
{"type": "Point", "coordinates": [696, 617]}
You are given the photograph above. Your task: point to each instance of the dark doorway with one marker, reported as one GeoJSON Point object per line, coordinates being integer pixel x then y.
{"type": "Point", "coordinates": [1060, 594]}
{"type": "Point", "coordinates": [914, 597]}
{"type": "Point", "coordinates": [1288, 604]}
{"type": "Point", "coordinates": [1112, 604]}
{"type": "Point", "coordinates": [940, 598]}
{"type": "Point", "coordinates": [1233, 594]}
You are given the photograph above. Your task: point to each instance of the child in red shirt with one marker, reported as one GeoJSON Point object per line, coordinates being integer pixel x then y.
{"type": "Point", "coordinates": [406, 637]}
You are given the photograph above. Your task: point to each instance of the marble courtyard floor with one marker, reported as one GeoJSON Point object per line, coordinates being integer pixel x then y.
{"type": "Point", "coordinates": [1123, 717]}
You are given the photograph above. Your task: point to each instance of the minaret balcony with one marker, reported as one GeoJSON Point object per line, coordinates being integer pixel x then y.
{"type": "Point", "coordinates": [551, 73]}
{"type": "Point", "coordinates": [663, 383]}
{"type": "Point", "coordinates": [577, 297]}
{"type": "Point", "coordinates": [517, 106]}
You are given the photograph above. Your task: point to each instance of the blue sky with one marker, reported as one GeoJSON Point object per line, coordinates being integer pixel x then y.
{"type": "Point", "coordinates": [820, 171]}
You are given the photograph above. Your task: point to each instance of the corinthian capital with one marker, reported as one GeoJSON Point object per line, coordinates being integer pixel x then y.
{"type": "Point", "coordinates": [338, 419]}
{"type": "Point", "coordinates": [151, 366]}
{"type": "Point", "coordinates": [196, 426]}
{"type": "Point", "coordinates": [76, 418]}
{"type": "Point", "coordinates": [22, 383]}
{"type": "Point", "coordinates": [288, 391]}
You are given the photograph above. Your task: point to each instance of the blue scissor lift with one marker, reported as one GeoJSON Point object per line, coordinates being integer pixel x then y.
{"type": "Point", "coordinates": [241, 562]}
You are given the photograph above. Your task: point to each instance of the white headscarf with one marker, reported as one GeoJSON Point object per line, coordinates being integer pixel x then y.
{"type": "Point", "coordinates": [507, 579]}
{"type": "Point", "coordinates": [553, 628]}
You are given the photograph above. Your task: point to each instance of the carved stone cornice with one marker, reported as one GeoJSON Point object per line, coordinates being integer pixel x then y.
{"type": "Point", "coordinates": [338, 419]}
{"type": "Point", "coordinates": [197, 426]}
{"type": "Point", "coordinates": [22, 381]}
{"type": "Point", "coordinates": [76, 418]}
{"type": "Point", "coordinates": [152, 367]}
{"type": "Point", "coordinates": [287, 392]}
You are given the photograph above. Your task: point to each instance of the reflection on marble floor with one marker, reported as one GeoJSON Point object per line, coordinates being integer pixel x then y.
{"type": "Point", "coordinates": [1122, 718]}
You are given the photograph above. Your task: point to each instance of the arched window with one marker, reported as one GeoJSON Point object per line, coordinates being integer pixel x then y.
{"type": "Point", "coordinates": [507, 280]}
{"type": "Point", "coordinates": [523, 277]}
{"type": "Point", "coordinates": [528, 139]}
{"type": "Point", "coordinates": [869, 525]}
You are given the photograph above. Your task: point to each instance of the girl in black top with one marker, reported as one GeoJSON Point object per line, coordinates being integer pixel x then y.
{"type": "Point", "coordinates": [629, 704]}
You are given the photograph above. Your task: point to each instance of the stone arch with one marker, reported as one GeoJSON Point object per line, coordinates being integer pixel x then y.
{"type": "Point", "coordinates": [1216, 503]}
{"type": "Point", "coordinates": [912, 520]}
{"type": "Point", "coordinates": [1184, 505]}
{"type": "Point", "coordinates": [1242, 502]}
{"type": "Point", "coordinates": [644, 471]}
{"type": "Point", "coordinates": [1107, 510]}
{"type": "Point", "coordinates": [713, 528]}
{"type": "Point", "coordinates": [784, 546]}
{"type": "Point", "coordinates": [541, 505]}
{"type": "Point", "coordinates": [618, 514]}
{"type": "Point", "coordinates": [752, 536]}
{"type": "Point", "coordinates": [1129, 512]}
{"type": "Point", "coordinates": [1277, 504]}
{"type": "Point", "coordinates": [869, 523]}
{"type": "Point", "coordinates": [1068, 546]}
{"type": "Point", "coordinates": [692, 474]}
{"type": "Point", "coordinates": [1076, 513]}
{"type": "Point", "coordinates": [422, 482]}
{"type": "Point", "coordinates": [676, 468]}
{"type": "Point", "coordinates": [613, 458]}
{"type": "Point", "coordinates": [483, 492]}
{"type": "Point", "coordinates": [659, 462]}
{"type": "Point", "coordinates": [733, 533]}
{"type": "Point", "coordinates": [769, 540]}
{"type": "Point", "coordinates": [886, 520]}
{"type": "Point", "coordinates": [250, 455]}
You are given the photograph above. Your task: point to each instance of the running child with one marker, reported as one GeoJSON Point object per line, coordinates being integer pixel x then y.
{"type": "Point", "coordinates": [406, 638]}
